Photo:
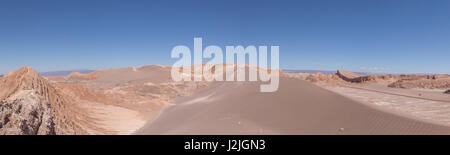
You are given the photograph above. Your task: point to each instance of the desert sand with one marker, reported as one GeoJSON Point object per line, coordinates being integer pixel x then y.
{"type": "Point", "coordinates": [112, 101]}
{"type": "Point", "coordinates": [298, 107]}
{"type": "Point", "coordinates": [144, 100]}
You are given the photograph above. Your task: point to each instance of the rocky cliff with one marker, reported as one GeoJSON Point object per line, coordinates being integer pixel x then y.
{"type": "Point", "coordinates": [29, 104]}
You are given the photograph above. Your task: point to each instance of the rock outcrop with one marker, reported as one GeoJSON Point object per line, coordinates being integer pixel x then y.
{"type": "Point", "coordinates": [77, 76]}
{"type": "Point", "coordinates": [29, 105]}
{"type": "Point", "coordinates": [422, 83]}
{"type": "Point", "coordinates": [357, 78]}
{"type": "Point", "coordinates": [348, 76]}
{"type": "Point", "coordinates": [439, 76]}
{"type": "Point", "coordinates": [332, 79]}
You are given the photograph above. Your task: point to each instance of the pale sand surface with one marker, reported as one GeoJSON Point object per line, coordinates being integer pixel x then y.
{"type": "Point", "coordinates": [113, 119]}
{"type": "Point", "coordinates": [120, 101]}
{"type": "Point", "coordinates": [298, 107]}
{"type": "Point", "coordinates": [426, 94]}
{"type": "Point", "coordinates": [430, 106]}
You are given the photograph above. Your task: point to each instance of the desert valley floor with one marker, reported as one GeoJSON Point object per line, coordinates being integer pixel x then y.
{"type": "Point", "coordinates": [144, 100]}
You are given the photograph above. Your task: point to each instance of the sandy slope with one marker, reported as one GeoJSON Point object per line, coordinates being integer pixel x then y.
{"type": "Point", "coordinates": [431, 105]}
{"type": "Point", "coordinates": [113, 101]}
{"type": "Point", "coordinates": [298, 107]}
{"type": "Point", "coordinates": [121, 100]}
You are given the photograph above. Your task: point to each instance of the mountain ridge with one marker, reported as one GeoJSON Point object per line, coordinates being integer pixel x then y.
{"type": "Point", "coordinates": [32, 105]}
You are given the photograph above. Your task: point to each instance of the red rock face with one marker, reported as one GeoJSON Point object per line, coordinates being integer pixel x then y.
{"type": "Point", "coordinates": [31, 105]}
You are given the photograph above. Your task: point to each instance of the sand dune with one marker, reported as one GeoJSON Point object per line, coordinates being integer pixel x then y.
{"type": "Point", "coordinates": [113, 101]}
{"type": "Point", "coordinates": [298, 107]}
{"type": "Point", "coordinates": [144, 100]}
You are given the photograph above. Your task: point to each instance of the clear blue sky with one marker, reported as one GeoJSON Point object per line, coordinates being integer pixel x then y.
{"type": "Point", "coordinates": [398, 36]}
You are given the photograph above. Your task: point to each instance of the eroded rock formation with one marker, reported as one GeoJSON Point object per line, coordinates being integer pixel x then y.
{"type": "Point", "coordinates": [29, 104]}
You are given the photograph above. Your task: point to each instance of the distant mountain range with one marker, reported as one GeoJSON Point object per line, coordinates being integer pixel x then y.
{"type": "Point", "coordinates": [65, 73]}
{"type": "Point", "coordinates": [62, 73]}
{"type": "Point", "coordinates": [308, 71]}
{"type": "Point", "coordinates": [326, 72]}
